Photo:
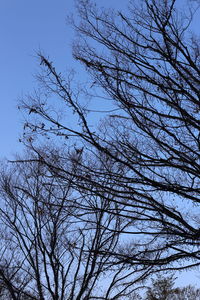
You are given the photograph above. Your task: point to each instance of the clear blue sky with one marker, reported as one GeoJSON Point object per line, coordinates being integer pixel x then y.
{"type": "Point", "coordinates": [25, 27]}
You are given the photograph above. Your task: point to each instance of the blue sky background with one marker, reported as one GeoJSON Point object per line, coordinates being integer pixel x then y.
{"type": "Point", "coordinates": [27, 26]}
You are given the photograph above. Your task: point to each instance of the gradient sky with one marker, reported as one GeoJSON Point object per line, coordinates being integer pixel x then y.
{"type": "Point", "coordinates": [27, 26]}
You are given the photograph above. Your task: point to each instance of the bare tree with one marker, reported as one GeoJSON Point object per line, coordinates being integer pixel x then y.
{"type": "Point", "coordinates": [144, 157]}
{"type": "Point", "coordinates": [50, 247]}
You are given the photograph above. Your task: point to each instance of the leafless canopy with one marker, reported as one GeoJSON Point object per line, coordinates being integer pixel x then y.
{"type": "Point", "coordinates": [52, 249]}
{"type": "Point", "coordinates": [143, 158]}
